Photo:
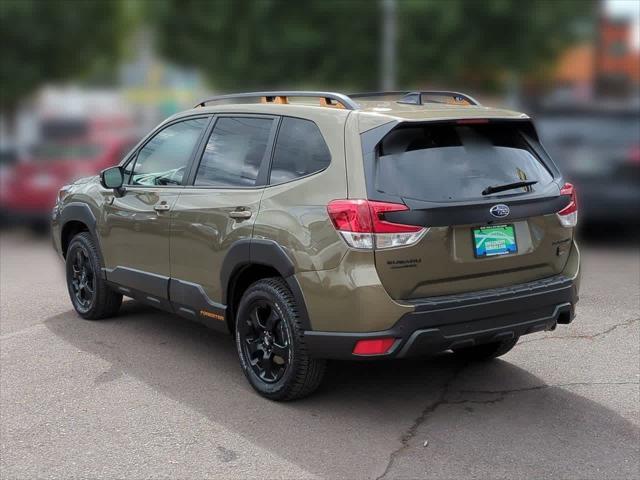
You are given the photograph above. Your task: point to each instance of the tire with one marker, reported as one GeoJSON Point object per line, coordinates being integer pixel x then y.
{"type": "Point", "coordinates": [486, 351]}
{"type": "Point", "coordinates": [91, 297]}
{"type": "Point", "coordinates": [270, 343]}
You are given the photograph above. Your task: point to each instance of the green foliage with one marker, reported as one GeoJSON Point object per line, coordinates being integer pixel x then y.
{"type": "Point", "coordinates": [272, 43]}
{"type": "Point", "coordinates": [53, 40]}
{"type": "Point", "coordinates": [242, 44]}
{"type": "Point", "coordinates": [478, 42]}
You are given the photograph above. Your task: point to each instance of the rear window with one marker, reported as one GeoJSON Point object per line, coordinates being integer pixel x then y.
{"type": "Point", "coordinates": [452, 162]}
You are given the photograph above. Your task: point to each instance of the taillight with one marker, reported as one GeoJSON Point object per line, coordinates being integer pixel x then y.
{"type": "Point", "coordinates": [569, 215]}
{"type": "Point", "coordinates": [374, 346]}
{"type": "Point", "coordinates": [362, 225]}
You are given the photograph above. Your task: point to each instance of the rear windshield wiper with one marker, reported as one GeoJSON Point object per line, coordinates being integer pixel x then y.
{"type": "Point", "coordinates": [507, 186]}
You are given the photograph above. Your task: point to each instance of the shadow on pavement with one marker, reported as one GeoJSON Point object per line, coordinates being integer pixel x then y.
{"type": "Point", "coordinates": [363, 410]}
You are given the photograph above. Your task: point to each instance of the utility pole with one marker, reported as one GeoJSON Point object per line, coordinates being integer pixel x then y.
{"type": "Point", "coordinates": [389, 44]}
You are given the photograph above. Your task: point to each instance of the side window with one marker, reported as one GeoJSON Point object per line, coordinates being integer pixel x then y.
{"type": "Point", "coordinates": [300, 150]}
{"type": "Point", "coordinates": [234, 152]}
{"type": "Point", "coordinates": [163, 160]}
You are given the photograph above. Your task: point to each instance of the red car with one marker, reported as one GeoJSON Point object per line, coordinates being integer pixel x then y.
{"type": "Point", "coordinates": [28, 189]}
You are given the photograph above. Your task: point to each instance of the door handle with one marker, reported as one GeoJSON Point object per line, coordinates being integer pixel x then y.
{"type": "Point", "coordinates": [161, 207]}
{"type": "Point", "coordinates": [240, 214]}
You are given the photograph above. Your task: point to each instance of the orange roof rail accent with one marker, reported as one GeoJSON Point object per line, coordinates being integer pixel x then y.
{"type": "Point", "coordinates": [328, 102]}
{"type": "Point", "coordinates": [329, 99]}
{"type": "Point", "coordinates": [278, 99]}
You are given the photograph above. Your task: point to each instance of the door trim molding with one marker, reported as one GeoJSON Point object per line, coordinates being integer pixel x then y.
{"type": "Point", "coordinates": [186, 299]}
{"type": "Point", "coordinates": [140, 280]}
{"type": "Point", "coordinates": [191, 301]}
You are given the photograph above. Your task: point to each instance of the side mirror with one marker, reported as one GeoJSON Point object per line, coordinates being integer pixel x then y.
{"type": "Point", "coordinates": [112, 178]}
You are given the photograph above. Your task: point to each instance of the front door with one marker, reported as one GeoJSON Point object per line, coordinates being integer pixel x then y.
{"type": "Point", "coordinates": [136, 229]}
{"type": "Point", "coordinates": [217, 209]}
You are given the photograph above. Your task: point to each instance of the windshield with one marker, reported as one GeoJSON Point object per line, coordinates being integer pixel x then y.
{"type": "Point", "coordinates": [452, 162]}
{"type": "Point", "coordinates": [589, 131]}
{"type": "Point", "coordinates": [65, 151]}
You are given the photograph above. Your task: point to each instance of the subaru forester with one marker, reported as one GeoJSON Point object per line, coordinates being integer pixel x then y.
{"type": "Point", "coordinates": [315, 225]}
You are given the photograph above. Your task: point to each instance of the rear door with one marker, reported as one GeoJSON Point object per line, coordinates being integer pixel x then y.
{"type": "Point", "coordinates": [476, 239]}
{"type": "Point", "coordinates": [218, 208]}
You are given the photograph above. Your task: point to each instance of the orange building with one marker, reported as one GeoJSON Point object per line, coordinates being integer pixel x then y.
{"type": "Point", "coordinates": [616, 59]}
{"type": "Point", "coordinates": [611, 66]}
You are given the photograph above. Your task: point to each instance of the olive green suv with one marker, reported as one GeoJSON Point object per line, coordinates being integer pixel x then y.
{"type": "Point", "coordinates": [316, 226]}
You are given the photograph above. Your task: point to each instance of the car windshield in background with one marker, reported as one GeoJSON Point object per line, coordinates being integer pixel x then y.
{"type": "Point", "coordinates": [611, 131]}
{"type": "Point", "coordinates": [451, 162]}
{"type": "Point", "coordinates": [65, 151]}
{"type": "Point", "coordinates": [590, 145]}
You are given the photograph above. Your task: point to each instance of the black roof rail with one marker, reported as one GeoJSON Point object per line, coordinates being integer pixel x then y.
{"type": "Point", "coordinates": [329, 99]}
{"type": "Point", "coordinates": [415, 97]}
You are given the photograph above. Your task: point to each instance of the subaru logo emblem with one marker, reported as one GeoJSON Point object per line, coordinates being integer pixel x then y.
{"type": "Point", "coordinates": [499, 211]}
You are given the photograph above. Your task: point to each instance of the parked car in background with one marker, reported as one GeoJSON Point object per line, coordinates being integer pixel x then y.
{"type": "Point", "coordinates": [598, 149]}
{"type": "Point", "coordinates": [8, 158]}
{"type": "Point", "coordinates": [68, 151]}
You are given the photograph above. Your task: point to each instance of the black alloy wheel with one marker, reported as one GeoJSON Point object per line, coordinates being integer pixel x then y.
{"type": "Point", "coordinates": [271, 345]}
{"type": "Point", "coordinates": [266, 341]}
{"type": "Point", "coordinates": [92, 297]}
{"type": "Point", "coordinates": [83, 279]}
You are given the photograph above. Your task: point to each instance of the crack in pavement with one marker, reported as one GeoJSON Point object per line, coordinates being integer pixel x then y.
{"type": "Point", "coordinates": [501, 394]}
{"type": "Point", "coordinates": [542, 387]}
{"type": "Point", "coordinates": [443, 400]}
{"type": "Point", "coordinates": [412, 430]}
{"type": "Point", "coordinates": [584, 337]}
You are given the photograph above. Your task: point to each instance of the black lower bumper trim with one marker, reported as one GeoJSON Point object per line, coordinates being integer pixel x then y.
{"type": "Point", "coordinates": [455, 321]}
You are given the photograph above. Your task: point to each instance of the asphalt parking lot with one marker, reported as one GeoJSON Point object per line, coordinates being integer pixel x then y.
{"type": "Point", "coordinates": [147, 395]}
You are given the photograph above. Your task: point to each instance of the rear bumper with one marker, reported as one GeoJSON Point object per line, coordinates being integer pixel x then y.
{"type": "Point", "coordinates": [441, 323]}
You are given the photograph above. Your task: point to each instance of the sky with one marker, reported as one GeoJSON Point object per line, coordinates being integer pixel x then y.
{"type": "Point", "coordinates": [629, 9]}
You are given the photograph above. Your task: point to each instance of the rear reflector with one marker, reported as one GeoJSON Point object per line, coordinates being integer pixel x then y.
{"type": "Point", "coordinates": [376, 346]}
{"type": "Point", "coordinates": [568, 216]}
{"type": "Point", "coordinates": [362, 225]}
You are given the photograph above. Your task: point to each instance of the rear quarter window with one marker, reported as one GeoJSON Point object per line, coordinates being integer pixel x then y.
{"type": "Point", "coordinates": [452, 162]}
{"type": "Point", "coordinates": [300, 151]}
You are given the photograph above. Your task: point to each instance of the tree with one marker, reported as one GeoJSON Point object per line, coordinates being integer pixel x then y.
{"type": "Point", "coordinates": [242, 44]}
{"type": "Point", "coordinates": [479, 42]}
{"type": "Point", "coordinates": [271, 43]}
{"type": "Point", "coordinates": [53, 40]}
